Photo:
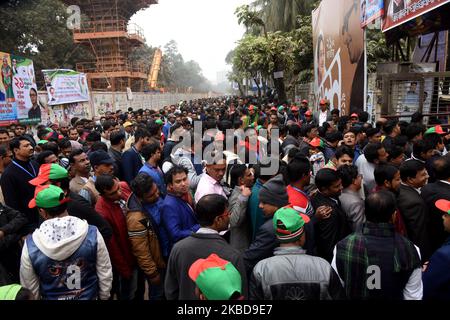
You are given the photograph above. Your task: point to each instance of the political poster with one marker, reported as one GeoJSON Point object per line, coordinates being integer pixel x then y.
{"type": "Point", "coordinates": [8, 110]}
{"type": "Point", "coordinates": [338, 42]}
{"type": "Point", "coordinates": [370, 11]}
{"type": "Point", "coordinates": [65, 86]}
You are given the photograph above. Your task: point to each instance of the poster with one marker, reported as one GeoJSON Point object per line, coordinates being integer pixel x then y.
{"type": "Point", "coordinates": [65, 86]}
{"type": "Point", "coordinates": [8, 110]}
{"type": "Point", "coordinates": [370, 11]}
{"type": "Point", "coordinates": [338, 42]}
{"type": "Point", "coordinates": [401, 11]}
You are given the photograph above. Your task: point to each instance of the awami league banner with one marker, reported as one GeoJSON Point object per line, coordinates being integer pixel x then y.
{"type": "Point", "coordinates": [18, 92]}
{"type": "Point", "coordinates": [339, 54]}
{"type": "Point", "coordinates": [370, 11]}
{"type": "Point", "coordinates": [401, 11]}
{"type": "Point", "coordinates": [65, 86]}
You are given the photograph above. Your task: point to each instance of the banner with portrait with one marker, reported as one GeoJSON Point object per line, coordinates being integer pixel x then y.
{"type": "Point", "coordinates": [370, 11]}
{"type": "Point", "coordinates": [338, 42]}
{"type": "Point", "coordinates": [401, 11]}
{"type": "Point", "coordinates": [65, 86]}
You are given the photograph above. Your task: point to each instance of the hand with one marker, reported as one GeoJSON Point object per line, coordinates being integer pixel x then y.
{"type": "Point", "coordinates": [323, 212]}
{"type": "Point", "coordinates": [425, 266]}
{"type": "Point", "coordinates": [246, 192]}
{"type": "Point", "coordinates": [2, 234]}
{"type": "Point", "coordinates": [156, 281]}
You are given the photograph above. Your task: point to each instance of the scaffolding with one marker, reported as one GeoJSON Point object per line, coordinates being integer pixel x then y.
{"type": "Point", "coordinates": [106, 31]}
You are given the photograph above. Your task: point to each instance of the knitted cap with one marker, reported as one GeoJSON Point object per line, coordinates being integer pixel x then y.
{"type": "Point", "coordinates": [288, 225]}
{"type": "Point", "coordinates": [274, 192]}
{"type": "Point", "coordinates": [216, 278]}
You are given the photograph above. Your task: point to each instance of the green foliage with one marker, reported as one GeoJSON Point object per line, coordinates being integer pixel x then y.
{"type": "Point", "coordinates": [377, 50]}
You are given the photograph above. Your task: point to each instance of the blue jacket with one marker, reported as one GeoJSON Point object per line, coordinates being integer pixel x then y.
{"type": "Point", "coordinates": [154, 212]}
{"type": "Point", "coordinates": [132, 162]}
{"type": "Point", "coordinates": [178, 219]}
{"type": "Point", "coordinates": [436, 279]}
{"type": "Point", "coordinates": [166, 130]}
{"type": "Point", "coordinates": [157, 177]}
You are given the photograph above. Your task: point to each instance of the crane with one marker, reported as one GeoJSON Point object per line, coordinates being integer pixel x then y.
{"type": "Point", "coordinates": [154, 70]}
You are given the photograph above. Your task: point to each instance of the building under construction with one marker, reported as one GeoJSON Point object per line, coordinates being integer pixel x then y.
{"type": "Point", "coordinates": [106, 31]}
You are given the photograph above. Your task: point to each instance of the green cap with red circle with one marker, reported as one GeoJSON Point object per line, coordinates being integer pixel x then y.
{"type": "Point", "coordinates": [49, 171]}
{"type": "Point", "coordinates": [47, 196]}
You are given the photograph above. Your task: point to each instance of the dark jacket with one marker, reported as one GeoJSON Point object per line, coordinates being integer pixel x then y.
{"type": "Point", "coordinates": [430, 194]}
{"type": "Point", "coordinates": [12, 223]}
{"type": "Point", "coordinates": [178, 285]}
{"type": "Point", "coordinates": [118, 167]}
{"type": "Point", "coordinates": [132, 162]}
{"type": "Point", "coordinates": [18, 192]}
{"type": "Point", "coordinates": [80, 207]}
{"type": "Point", "coordinates": [414, 212]}
{"type": "Point", "coordinates": [436, 279]}
{"type": "Point", "coordinates": [329, 231]}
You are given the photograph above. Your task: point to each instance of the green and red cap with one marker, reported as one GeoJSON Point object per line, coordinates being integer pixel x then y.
{"type": "Point", "coordinates": [49, 171]}
{"type": "Point", "coordinates": [47, 197]}
{"type": "Point", "coordinates": [9, 292]}
{"type": "Point", "coordinates": [288, 225]}
{"type": "Point", "coordinates": [436, 129]}
{"type": "Point", "coordinates": [317, 143]}
{"type": "Point", "coordinates": [443, 205]}
{"type": "Point", "coordinates": [159, 122]}
{"type": "Point", "coordinates": [216, 278]}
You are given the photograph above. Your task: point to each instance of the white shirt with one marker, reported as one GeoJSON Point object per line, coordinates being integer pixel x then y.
{"type": "Point", "coordinates": [322, 117]}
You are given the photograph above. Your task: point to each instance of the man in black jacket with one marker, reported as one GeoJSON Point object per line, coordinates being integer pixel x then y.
{"type": "Point", "coordinates": [330, 225]}
{"type": "Point", "coordinates": [11, 231]}
{"type": "Point", "coordinates": [213, 216]}
{"type": "Point", "coordinates": [14, 181]}
{"type": "Point", "coordinates": [413, 208]}
{"type": "Point", "coordinates": [435, 191]}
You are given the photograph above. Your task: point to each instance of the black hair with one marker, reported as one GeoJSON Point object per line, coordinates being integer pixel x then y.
{"type": "Point", "coordinates": [74, 154]}
{"type": "Point", "coordinates": [347, 174]}
{"type": "Point", "coordinates": [237, 171]}
{"type": "Point", "coordinates": [389, 126]}
{"type": "Point", "coordinates": [441, 168]}
{"type": "Point", "coordinates": [421, 146]}
{"type": "Point", "coordinates": [371, 151]}
{"type": "Point", "coordinates": [258, 175]}
{"type": "Point", "coordinates": [64, 143]}
{"type": "Point", "coordinates": [104, 182]}
{"type": "Point", "coordinates": [394, 152]}
{"type": "Point", "coordinates": [142, 184]}
{"type": "Point", "coordinates": [42, 133]}
{"type": "Point", "coordinates": [93, 136]}
{"type": "Point", "coordinates": [294, 130]}
{"type": "Point", "coordinates": [416, 117]}
{"type": "Point", "coordinates": [342, 150]}
{"type": "Point", "coordinates": [237, 124]}
{"type": "Point", "coordinates": [335, 112]}
{"type": "Point", "coordinates": [370, 132]}
{"type": "Point", "coordinates": [401, 141]}
{"type": "Point", "coordinates": [116, 137]}
{"type": "Point", "coordinates": [40, 159]}
{"type": "Point", "coordinates": [434, 139]}
{"type": "Point", "coordinates": [363, 116]}
{"type": "Point", "coordinates": [298, 168]}
{"type": "Point", "coordinates": [209, 207]}
{"type": "Point", "coordinates": [141, 133]}
{"type": "Point", "coordinates": [149, 150]}
{"type": "Point", "coordinates": [325, 177]}
{"type": "Point", "coordinates": [380, 206]}
{"type": "Point", "coordinates": [108, 124]}
{"type": "Point", "coordinates": [98, 145]}
{"type": "Point", "coordinates": [56, 211]}
{"type": "Point", "coordinates": [176, 169]}
{"type": "Point", "coordinates": [3, 150]}
{"type": "Point", "coordinates": [385, 172]}
{"type": "Point", "coordinates": [414, 129]}
{"type": "Point", "coordinates": [333, 136]}
{"type": "Point", "coordinates": [15, 143]}
{"type": "Point", "coordinates": [410, 168]}
{"type": "Point", "coordinates": [51, 146]}
{"type": "Point", "coordinates": [153, 128]}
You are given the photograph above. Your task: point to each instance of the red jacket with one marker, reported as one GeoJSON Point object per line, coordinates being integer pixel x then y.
{"type": "Point", "coordinates": [119, 247]}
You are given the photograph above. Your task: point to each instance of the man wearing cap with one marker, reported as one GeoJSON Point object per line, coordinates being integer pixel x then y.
{"type": "Point", "coordinates": [308, 118]}
{"type": "Point", "coordinates": [214, 217]}
{"type": "Point", "coordinates": [376, 262]}
{"type": "Point", "coordinates": [436, 278]}
{"type": "Point", "coordinates": [67, 245]}
{"type": "Point", "coordinates": [282, 115]}
{"type": "Point", "coordinates": [295, 115]}
{"type": "Point", "coordinates": [324, 114]}
{"type": "Point", "coordinates": [291, 274]}
{"type": "Point", "coordinates": [101, 163]}
{"type": "Point", "coordinates": [129, 129]}
{"type": "Point", "coordinates": [14, 181]}
{"type": "Point", "coordinates": [216, 279]}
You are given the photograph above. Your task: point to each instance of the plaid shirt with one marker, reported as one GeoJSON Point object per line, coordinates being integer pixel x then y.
{"type": "Point", "coordinates": [353, 259]}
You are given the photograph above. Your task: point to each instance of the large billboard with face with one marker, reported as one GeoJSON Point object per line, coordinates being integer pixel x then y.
{"type": "Point", "coordinates": [339, 54]}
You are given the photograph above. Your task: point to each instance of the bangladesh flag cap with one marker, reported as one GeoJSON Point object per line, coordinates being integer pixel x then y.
{"type": "Point", "coordinates": [436, 129]}
{"type": "Point", "coordinates": [159, 121]}
{"type": "Point", "coordinates": [9, 292]}
{"type": "Point", "coordinates": [42, 142]}
{"type": "Point", "coordinates": [216, 278]}
{"type": "Point", "coordinates": [48, 196]}
{"type": "Point", "coordinates": [288, 225]}
{"type": "Point", "coordinates": [443, 205]}
{"type": "Point", "coordinates": [317, 143]}
{"type": "Point", "coordinates": [49, 171]}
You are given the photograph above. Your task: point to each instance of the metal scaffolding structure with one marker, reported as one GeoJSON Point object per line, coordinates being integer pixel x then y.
{"type": "Point", "coordinates": [106, 31]}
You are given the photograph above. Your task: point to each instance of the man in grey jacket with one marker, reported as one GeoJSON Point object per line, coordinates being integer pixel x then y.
{"type": "Point", "coordinates": [292, 274]}
{"type": "Point", "coordinates": [242, 180]}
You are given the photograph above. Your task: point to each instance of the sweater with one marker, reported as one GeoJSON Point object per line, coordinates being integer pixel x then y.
{"type": "Point", "coordinates": [132, 162]}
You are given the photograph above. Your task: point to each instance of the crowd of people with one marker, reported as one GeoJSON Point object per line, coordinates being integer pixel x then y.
{"type": "Point", "coordinates": [225, 199]}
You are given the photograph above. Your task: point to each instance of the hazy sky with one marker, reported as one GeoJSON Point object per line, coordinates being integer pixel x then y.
{"type": "Point", "coordinates": [205, 30]}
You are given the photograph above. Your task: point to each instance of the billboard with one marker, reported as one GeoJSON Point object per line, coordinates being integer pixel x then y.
{"type": "Point", "coordinates": [401, 11]}
{"type": "Point", "coordinates": [65, 86]}
{"type": "Point", "coordinates": [18, 92]}
{"type": "Point", "coordinates": [338, 42]}
{"type": "Point", "coordinates": [370, 11]}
